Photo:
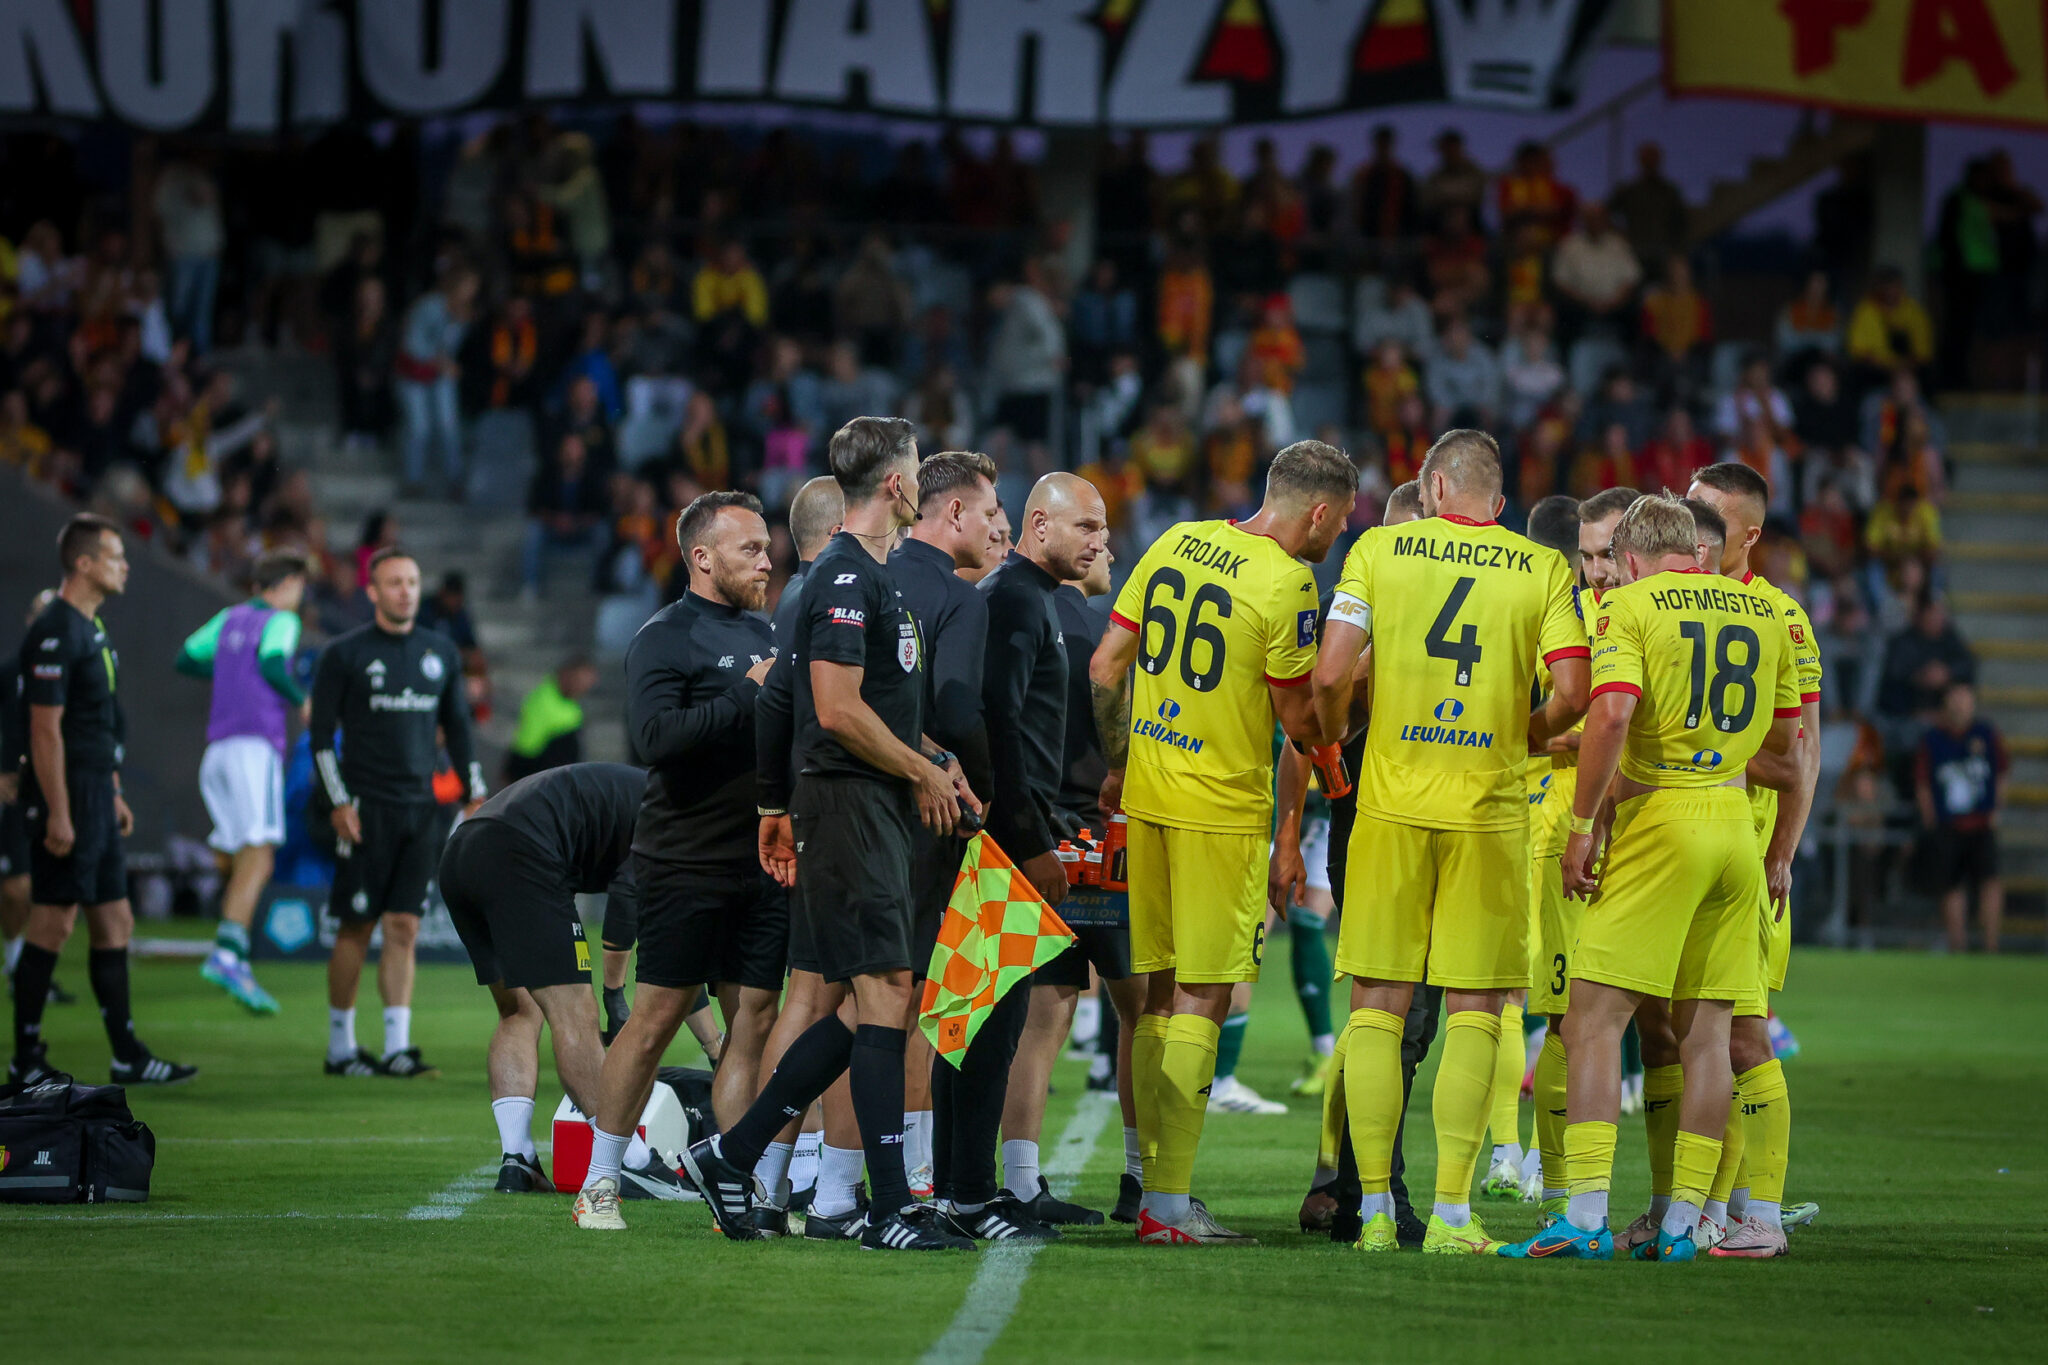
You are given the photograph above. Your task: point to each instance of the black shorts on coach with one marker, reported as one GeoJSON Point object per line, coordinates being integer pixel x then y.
{"type": "Point", "coordinates": [622, 910]}
{"type": "Point", "coordinates": [700, 926]}
{"type": "Point", "coordinates": [854, 845]}
{"type": "Point", "coordinates": [1105, 947]}
{"type": "Point", "coordinates": [513, 907]}
{"type": "Point", "coordinates": [95, 872]}
{"type": "Point", "coordinates": [388, 872]}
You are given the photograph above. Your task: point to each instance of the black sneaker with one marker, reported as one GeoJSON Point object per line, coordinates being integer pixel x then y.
{"type": "Point", "coordinates": [32, 1068]}
{"type": "Point", "coordinates": [362, 1064]}
{"type": "Point", "coordinates": [918, 1228]}
{"type": "Point", "coordinates": [655, 1180]}
{"type": "Point", "coordinates": [728, 1190]}
{"type": "Point", "coordinates": [145, 1068]}
{"type": "Point", "coordinates": [1346, 1226]}
{"type": "Point", "coordinates": [1056, 1212]}
{"type": "Point", "coordinates": [1409, 1229]}
{"type": "Point", "coordinates": [522, 1175]}
{"type": "Point", "coordinates": [769, 1221]}
{"type": "Point", "coordinates": [1002, 1219]}
{"type": "Point", "coordinates": [407, 1066]}
{"type": "Point", "coordinates": [1130, 1192]}
{"type": "Point", "coordinates": [840, 1227]}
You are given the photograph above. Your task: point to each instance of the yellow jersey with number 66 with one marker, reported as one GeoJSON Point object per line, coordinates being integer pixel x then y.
{"type": "Point", "coordinates": [1461, 614]}
{"type": "Point", "coordinates": [1219, 613]}
{"type": "Point", "coordinates": [1711, 662]}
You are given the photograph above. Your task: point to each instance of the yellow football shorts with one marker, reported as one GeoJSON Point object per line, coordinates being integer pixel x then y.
{"type": "Point", "coordinates": [1553, 928]}
{"type": "Point", "coordinates": [1450, 907]}
{"type": "Point", "coordinates": [1774, 939]}
{"type": "Point", "coordinates": [1198, 902]}
{"type": "Point", "coordinates": [1676, 915]}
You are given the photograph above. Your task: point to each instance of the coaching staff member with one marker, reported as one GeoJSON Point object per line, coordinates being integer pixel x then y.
{"type": "Point", "coordinates": [71, 797]}
{"type": "Point", "coordinates": [867, 777]}
{"type": "Point", "coordinates": [708, 915]}
{"type": "Point", "coordinates": [388, 686]}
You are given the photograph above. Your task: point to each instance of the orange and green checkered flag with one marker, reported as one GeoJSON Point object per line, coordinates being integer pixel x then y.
{"type": "Point", "coordinates": [997, 931]}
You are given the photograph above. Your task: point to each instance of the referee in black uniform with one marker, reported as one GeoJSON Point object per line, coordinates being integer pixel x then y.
{"type": "Point", "coordinates": [389, 687]}
{"type": "Point", "coordinates": [867, 777]}
{"type": "Point", "coordinates": [14, 855]}
{"type": "Point", "coordinates": [71, 800]}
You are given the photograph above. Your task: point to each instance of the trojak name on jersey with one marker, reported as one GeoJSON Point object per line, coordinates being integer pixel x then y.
{"type": "Point", "coordinates": [1210, 556]}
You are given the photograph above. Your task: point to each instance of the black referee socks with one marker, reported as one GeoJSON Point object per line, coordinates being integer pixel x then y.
{"type": "Point", "coordinates": [107, 968]}
{"type": "Point", "coordinates": [806, 1071]}
{"type": "Point", "coordinates": [877, 1079]}
{"type": "Point", "coordinates": [32, 973]}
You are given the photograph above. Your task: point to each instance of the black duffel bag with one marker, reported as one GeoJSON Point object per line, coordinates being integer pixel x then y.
{"type": "Point", "coordinates": [64, 1143]}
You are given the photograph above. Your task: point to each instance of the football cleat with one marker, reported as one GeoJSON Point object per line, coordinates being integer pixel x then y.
{"type": "Point", "coordinates": [1044, 1208]}
{"type": "Point", "coordinates": [1470, 1240]}
{"type": "Point", "coordinates": [655, 1180]}
{"type": "Point", "coordinates": [362, 1064]}
{"type": "Point", "coordinates": [1563, 1242]}
{"type": "Point", "coordinates": [728, 1190]}
{"type": "Point", "coordinates": [1130, 1192]}
{"type": "Point", "coordinates": [148, 1069]}
{"type": "Point", "coordinates": [31, 1068]}
{"type": "Point", "coordinates": [769, 1222]}
{"type": "Point", "coordinates": [597, 1207]}
{"type": "Point", "coordinates": [1412, 1231]}
{"type": "Point", "coordinates": [1709, 1234]}
{"type": "Point", "coordinates": [1315, 1077]}
{"type": "Point", "coordinates": [1006, 1218]}
{"type": "Point", "coordinates": [1318, 1207]}
{"type": "Point", "coordinates": [1752, 1240]}
{"type": "Point", "coordinates": [1206, 1222]}
{"type": "Point", "coordinates": [921, 1181]}
{"type": "Point", "coordinates": [1379, 1234]}
{"type": "Point", "coordinates": [1667, 1248]}
{"type": "Point", "coordinates": [235, 976]}
{"type": "Point", "coordinates": [917, 1228]}
{"type": "Point", "coordinates": [1229, 1095]}
{"type": "Point", "coordinates": [1553, 1212]}
{"type": "Point", "coordinates": [522, 1175]}
{"type": "Point", "coordinates": [1504, 1181]}
{"type": "Point", "coordinates": [1641, 1231]}
{"type": "Point", "coordinates": [839, 1227]}
{"type": "Point", "coordinates": [407, 1066]}
{"type": "Point", "coordinates": [1798, 1215]}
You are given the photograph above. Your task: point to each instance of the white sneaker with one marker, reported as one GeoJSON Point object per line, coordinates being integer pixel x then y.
{"type": "Point", "coordinates": [1709, 1234]}
{"type": "Point", "coordinates": [1232, 1096]}
{"type": "Point", "coordinates": [597, 1206]}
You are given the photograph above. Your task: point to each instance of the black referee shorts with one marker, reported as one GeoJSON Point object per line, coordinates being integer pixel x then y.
{"type": "Point", "coordinates": [95, 872]}
{"type": "Point", "coordinates": [853, 874]}
{"type": "Point", "coordinates": [1105, 947]}
{"type": "Point", "coordinates": [622, 911]}
{"type": "Point", "coordinates": [701, 926]}
{"type": "Point", "coordinates": [514, 908]}
{"type": "Point", "coordinates": [388, 872]}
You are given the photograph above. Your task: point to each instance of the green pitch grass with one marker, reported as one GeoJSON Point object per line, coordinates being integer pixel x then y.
{"type": "Point", "coordinates": [278, 1230]}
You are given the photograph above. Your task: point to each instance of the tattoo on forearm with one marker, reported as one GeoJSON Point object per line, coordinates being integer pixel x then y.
{"type": "Point", "coordinates": [1113, 720]}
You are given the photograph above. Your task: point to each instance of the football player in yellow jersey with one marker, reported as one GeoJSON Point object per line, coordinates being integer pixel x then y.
{"type": "Point", "coordinates": [1781, 791]}
{"type": "Point", "coordinates": [1460, 612]}
{"type": "Point", "coordinates": [1220, 619]}
{"type": "Point", "coordinates": [1692, 676]}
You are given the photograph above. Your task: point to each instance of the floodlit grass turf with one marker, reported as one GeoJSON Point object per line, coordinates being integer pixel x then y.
{"type": "Point", "coordinates": [1920, 1104]}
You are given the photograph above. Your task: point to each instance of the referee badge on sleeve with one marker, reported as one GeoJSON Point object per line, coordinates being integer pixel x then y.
{"type": "Point", "coordinates": [906, 645]}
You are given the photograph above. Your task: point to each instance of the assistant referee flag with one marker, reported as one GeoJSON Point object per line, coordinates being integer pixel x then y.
{"type": "Point", "coordinates": [997, 931]}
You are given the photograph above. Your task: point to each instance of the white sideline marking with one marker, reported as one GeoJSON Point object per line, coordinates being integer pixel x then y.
{"type": "Point", "coordinates": [999, 1284]}
{"type": "Point", "coordinates": [462, 1191]}
{"type": "Point", "coordinates": [90, 1218]}
{"type": "Point", "coordinates": [300, 1141]}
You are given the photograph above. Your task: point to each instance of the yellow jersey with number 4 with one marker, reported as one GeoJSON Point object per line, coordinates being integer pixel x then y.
{"type": "Point", "coordinates": [1712, 666]}
{"type": "Point", "coordinates": [1461, 614]}
{"type": "Point", "coordinates": [1219, 614]}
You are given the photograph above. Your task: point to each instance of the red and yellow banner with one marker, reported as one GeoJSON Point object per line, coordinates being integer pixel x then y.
{"type": "Point", "coordinates": [1965, 60]}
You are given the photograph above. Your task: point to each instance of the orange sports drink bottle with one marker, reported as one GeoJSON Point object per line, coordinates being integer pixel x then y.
{"type": "Point", "coordinates": [1331, 773]}
{"type": "Point", "coordinates": [1115, 868]}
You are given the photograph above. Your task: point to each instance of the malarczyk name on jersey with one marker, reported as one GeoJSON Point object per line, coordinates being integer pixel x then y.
{"type": "Point", "coordinates": [1476, 554]}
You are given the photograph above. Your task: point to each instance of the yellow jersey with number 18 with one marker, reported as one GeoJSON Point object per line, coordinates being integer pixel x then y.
{"type": "Point", "coordinates": [1220, 613]}
{"type": "Point", "coordinates": [1461, 613]}
{"type": "Point", "coordinates": [1712, 665]}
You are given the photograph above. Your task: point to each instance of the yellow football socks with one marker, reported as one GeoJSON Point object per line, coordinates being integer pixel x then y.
{"type": "Point", "coordinates": [1766, 1110]}
{"type": "Point", "coordinates": [1372, 1094]}
{"type": "Point", "coordinates": [1663, 1086]}
{"type": "Point", "coordinates": [1148, 1037]}
{"type": "Point", "coordinates": [1549, 1099]}
{"type": "Point", "coordinates": [1464, 1096]}
{"type": "Point", "coordinates": [1731, 1158]}
{"type": "Point", "coordinates": [1506, 1122]}
{"type": "Point", "coordinates": [1187, 1068]}
{"type": "Point", "coordinates": [1328, 1152]}
{"type": "Point", "coordinates": [1693, 1160]}
{"type": "Point", "coordinates": [1588, 1171]}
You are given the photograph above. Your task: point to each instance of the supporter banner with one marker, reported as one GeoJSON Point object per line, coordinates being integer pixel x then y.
{"type": "Point", "coordinates": [1975, 60]}
{"type": "Point", "coordinates": [259, 66]}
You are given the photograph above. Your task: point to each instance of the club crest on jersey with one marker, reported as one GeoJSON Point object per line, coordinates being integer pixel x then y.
{"type": "Point", "coordinates": [906, 646]}
{"type": "Point", "coordinates": [1798, 633]}
{"type": "Point", "coordinates": [430, 667]}
{"type": "Point", "coordinates": [1448, 710]}
{"type": "Point", "coordinates": [1601, 628]}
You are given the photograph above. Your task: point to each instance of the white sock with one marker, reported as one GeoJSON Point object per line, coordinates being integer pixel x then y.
{"type": "Point", "coordinates": [839, 1171]}
{"type": "Point", "coordinates": [1371, 1206]}
{"type": "Point", "coordinates": [1765, 1211]}
{"type": "Point", "coordinates": [917, 1140]}
{"type": "Point", "coordinates": [13, 953]}
{"type": "Point", "coordinates": [1454, 1215]}
{"type": "Point", "coordinates": [1587, 1212]}
{"type": "Point", "coordinates": [1659, 1204]}
{"type": "Point", "coordinates": [772, 1170]}
{"type": "Point", "coordinates": [638, 1153]}
{"type": "Point", "coordinates": [607, 1151]}
{"type": "Point", "coordinates": [514, 1114]}
{"type": "Point", "coordinates": [341, 1033]}
{"type": "Point", "coordinates": [1738, 1204]}
{"type": "Point", "coordinates": [1020, 1168]}
{"type": "Point", "coordinates": [1134, 1164]}
{"type": "Point", "coordinates": [803, 1164]}
{"type": "Point", "coordinates": [1167, 1208]}
{"type": "Point", "coordinates": [964, 1210]}
{"type": "Point", "coordinates": [1510, 1152]}
{"type": "Point", "coordinates": [1099, 1066]}
{"type": "Point", "coordinates": [1087, 1019]}
{"type": "Point", "coordinates": [1716, 1210]}
{"type": "Point", "coordinates": [1324, 1044]}
{"type": "Point", "coordinates": [397, 1029]}
{"type": "Point", "coordinates": [1682, 1217]}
